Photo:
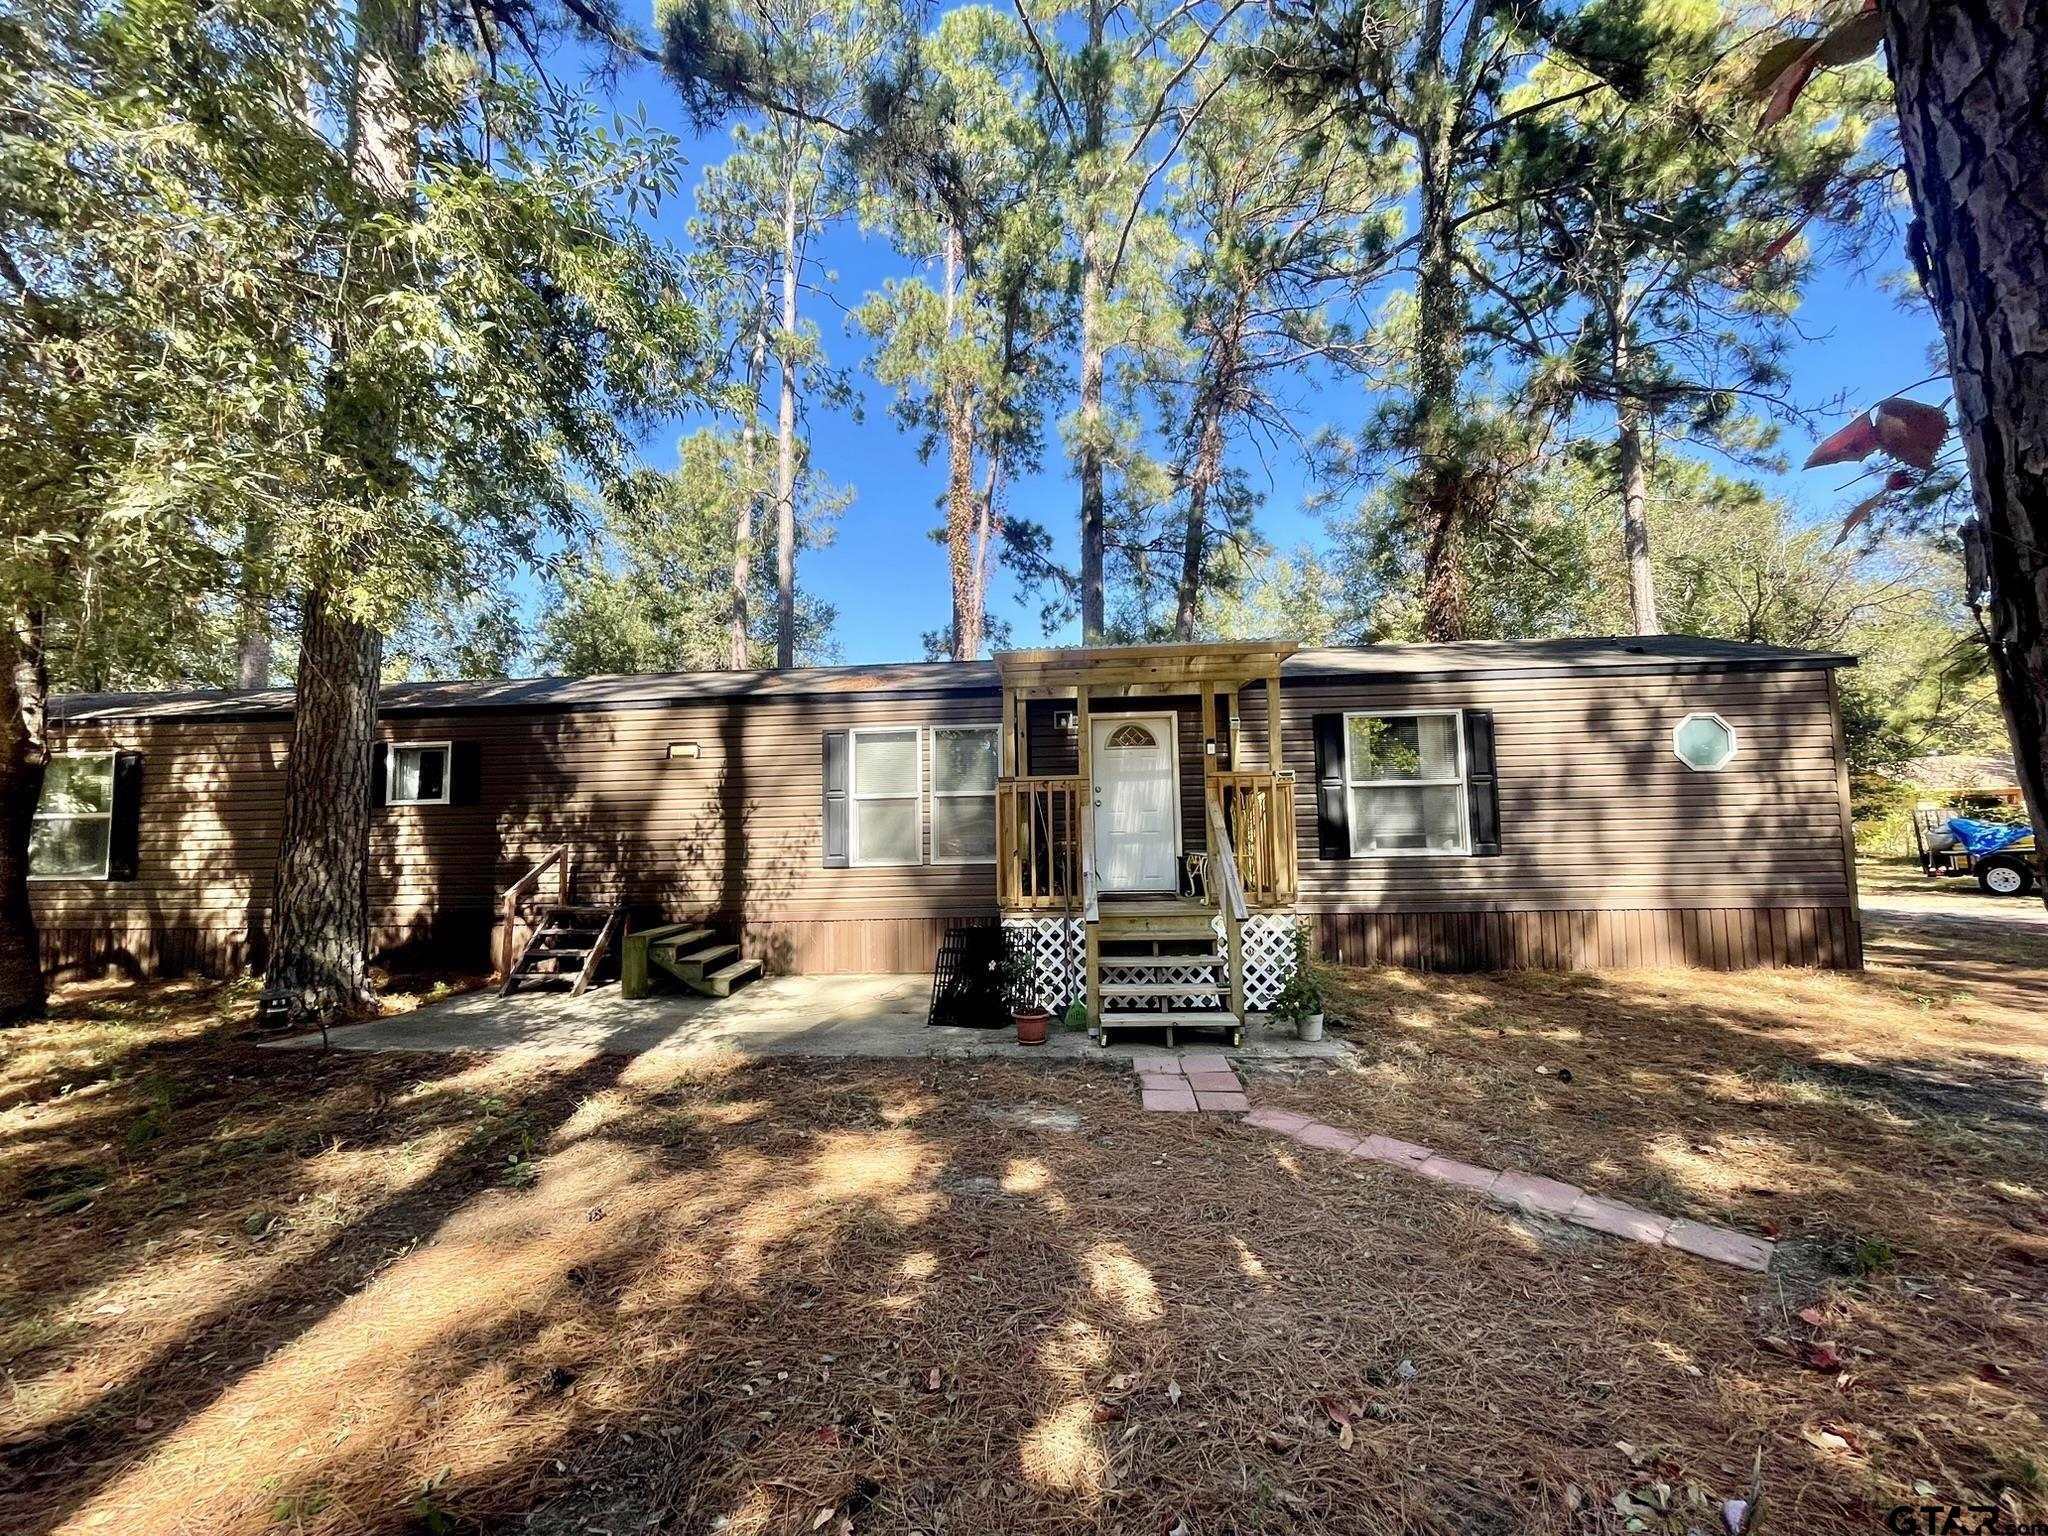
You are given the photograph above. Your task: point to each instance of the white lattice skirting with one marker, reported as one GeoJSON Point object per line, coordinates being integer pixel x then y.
{"type": "Point", "coordinates": [1059, 953]}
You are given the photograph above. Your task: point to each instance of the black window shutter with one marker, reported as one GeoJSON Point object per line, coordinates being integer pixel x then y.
{"type": "Point", "coordinates": [1333, 811]}
{"type": "Point", "coordinates": [124, 835]}
{"type": "Point", "coordinates": [1482, 787]}
{"type": "Point", "coordinates": [380, 761]}
{"type": "Point", "coordinates": [465, 773]}
{"type": "Point", "coordinates": [835, 800]}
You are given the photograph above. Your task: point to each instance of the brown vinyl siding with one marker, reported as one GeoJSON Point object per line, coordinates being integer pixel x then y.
{"type": "Point", "coordinates": [1613, 852]}
{"type": "Point", "coordinates": [647, 830]}
{"type": "Point", "coordinates": [1596, 811]}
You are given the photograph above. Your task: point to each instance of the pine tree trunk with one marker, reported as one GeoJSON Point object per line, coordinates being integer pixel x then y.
{"type": "Point", "coordinates": [785, 445]}
{"type": "Point", "coordinates": [1973, 120]}
{"type": "Point", "coordinates": [24, 754]}
{"type": "Point", "coordinates": [1194, 551]}
{"type": "Point", "coordinates": [739, 645]}
{"type": "Point", "coordinates": [1094, 521]}
{"type": "Point", "coordinates": [1438, 490]}
{"type": "Point", "coordinates": [963, 511]}
{"type": "Point", "coordinates": [1635, 494]}
{"type": "Point", "coordinates": [320, 928]}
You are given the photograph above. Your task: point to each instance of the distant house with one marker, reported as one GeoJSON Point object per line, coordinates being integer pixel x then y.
{"type": "Point", "coordinates": [1552, 803]}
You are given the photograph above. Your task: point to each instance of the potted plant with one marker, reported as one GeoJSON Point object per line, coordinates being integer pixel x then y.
{"type": "Point", "coordinates": [1020, 987]}
{"type": "Point", "coordinates": [1301, 998]}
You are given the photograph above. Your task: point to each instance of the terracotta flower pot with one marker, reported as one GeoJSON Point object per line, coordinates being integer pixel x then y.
{"type": "Point", "coordinates": [1031, 1025]}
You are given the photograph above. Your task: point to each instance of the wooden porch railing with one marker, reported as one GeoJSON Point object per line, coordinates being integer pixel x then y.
{"type": "Point", "coordinates": [1038, 843]}
{"type": "Point", "coordinates": [558, 858]}
{"type": "Point", "coordinates": [1258, 811]}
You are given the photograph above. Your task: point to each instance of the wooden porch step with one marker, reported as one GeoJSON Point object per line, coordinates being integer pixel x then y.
{"type": "Point", "coordinates": [721, 982]}
{"type": "Point", "coordinates": [1161, 962]}
{"type": "Point", "coordinates": [676, 943]}
{"type": "Point", "coordinates": [1116, 989]}
{"type": "Point", "coordinates": [1173, 1021]}
{"type": "Point", "coordinates": [694, 965]}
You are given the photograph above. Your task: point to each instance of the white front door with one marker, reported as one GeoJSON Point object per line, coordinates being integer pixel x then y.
{"type": "Point", "coordinates": [1137, 802]}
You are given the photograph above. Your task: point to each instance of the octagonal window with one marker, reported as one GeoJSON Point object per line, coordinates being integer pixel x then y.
{"type": "Point", "coordinates": [1704, 742]}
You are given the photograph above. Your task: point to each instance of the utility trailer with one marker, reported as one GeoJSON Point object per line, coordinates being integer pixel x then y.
{"type": "Point", "coordinates": [1943, 842]}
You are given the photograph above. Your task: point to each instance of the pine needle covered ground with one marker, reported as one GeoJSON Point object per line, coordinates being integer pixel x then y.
{"type": "Point", "coordinates": [244, 1291]}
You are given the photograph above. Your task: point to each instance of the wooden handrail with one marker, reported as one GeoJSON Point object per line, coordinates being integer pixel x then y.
{"type": "Point", "coordinates": [560, 858]}
{"type": "Point", "coordinates": [1228, 894]}
{"type": "Point", "coordinates": [1229, 888]}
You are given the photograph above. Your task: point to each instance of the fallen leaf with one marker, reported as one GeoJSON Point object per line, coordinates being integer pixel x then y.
{"type": "Point", "coordinates": [1173, 1393]}
{"type": "Point", "coordinates": [1107, 1413]}
{"type": "Point", "coordinates": [1810, 1316]}
{"type": "Point", "coordinates": [931, 1382]}
{"type": "Point", "coordinates": [1822, 1357]}
{"type": "Point", "coordinates": [822, 1518]}
{"type": "Point", "coordinates": [1826, 1440]}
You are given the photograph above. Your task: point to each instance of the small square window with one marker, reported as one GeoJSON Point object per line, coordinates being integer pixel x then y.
{"type": "Point", "coordinates": [1704, 742]}
{"type": "Point", "coordinates": [419, 773]}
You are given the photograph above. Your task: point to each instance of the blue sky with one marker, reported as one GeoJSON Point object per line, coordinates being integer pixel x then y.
{"type": "Point", "coordinates": [887, 578]}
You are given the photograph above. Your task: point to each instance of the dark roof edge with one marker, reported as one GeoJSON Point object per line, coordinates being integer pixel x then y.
{"type": "Point", "coordinates": [1818, 661]}
{"type": "Point", "coordinates": [1293, 676]}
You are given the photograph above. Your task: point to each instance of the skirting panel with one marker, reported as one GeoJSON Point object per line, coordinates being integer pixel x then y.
{"type": "Point", "coordinates": [1060, 958]}
{"type": "Point", "coordinates": [1713, 938]}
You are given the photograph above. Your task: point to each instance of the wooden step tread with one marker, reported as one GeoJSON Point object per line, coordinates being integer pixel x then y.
{"type": "Point", "coordinates": [1160, 962]}
{"type": "Point", "coordinates": [676, 941]}
{"type": "Point", "coordinates": [705, 957]}
{"type": "Point", "coordinates": [1217, 1017]}
{"type": "Point", "coordinates": [732, 972]}
{"type": "Point", "coordinates": [1111, 989]}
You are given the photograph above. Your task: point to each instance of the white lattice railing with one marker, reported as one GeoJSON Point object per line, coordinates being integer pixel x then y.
{"type": "Point", "coordinates": [1059, 958]}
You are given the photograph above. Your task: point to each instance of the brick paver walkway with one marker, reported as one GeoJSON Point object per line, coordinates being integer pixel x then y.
{"type": "Point", "coordinates": [1192, 1083]}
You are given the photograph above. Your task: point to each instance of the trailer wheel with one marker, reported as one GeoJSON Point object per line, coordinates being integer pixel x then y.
{"type": "Point", "coordinates": [2004, 877]}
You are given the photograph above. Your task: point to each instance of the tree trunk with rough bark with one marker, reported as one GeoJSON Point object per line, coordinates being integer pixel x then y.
{"type": "Point", "coordinates": [1973, 120]}
{"type": "Point", "coordinates": [738, 640]}
{"type": "Point", "coordinates": [1206, 468]}
{"type": "Point", "coordinates": [24, 754]}
{"type": "Point", "coordinates": [319, 957]}
{"type": "Point", "coordinates": [785, 443]}
{"type": "Point", "coordinates": [963, 511]}
{"type": "Point", "coordinates": [1630, 478]}
{"type": "Point", "coordinates": [321, 937]}
{"type": "Point", "coordinates": [1094, 504]}
{"type": "Point", "coordinates": [1439, 486]}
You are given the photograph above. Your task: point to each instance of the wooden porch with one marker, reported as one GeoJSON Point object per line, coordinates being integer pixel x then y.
{"type": "Point", "coordinates": [1159, 942]}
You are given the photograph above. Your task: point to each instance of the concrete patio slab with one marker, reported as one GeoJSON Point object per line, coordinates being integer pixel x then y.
{"type": "Point", "coordinates": [878, 1016]}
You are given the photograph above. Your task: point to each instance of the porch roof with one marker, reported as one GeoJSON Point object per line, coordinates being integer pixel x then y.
{"type": "Point", "coordinates": [1227, 664]}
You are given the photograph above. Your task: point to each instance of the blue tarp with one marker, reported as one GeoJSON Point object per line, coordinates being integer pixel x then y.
{"type": "Point", "coordinates": [1981, 837]}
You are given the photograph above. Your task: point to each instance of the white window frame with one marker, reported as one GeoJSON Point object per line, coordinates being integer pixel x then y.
{"type": "Point", "coordinates": [106, 864]}
{"type": "Point", "coordinates": [854, 796]}
{"type": "Point", "coordinates": [391, 751]}
{"type": "Point", "coordinates": [1463, 783]}
{"type": "Point", "coordinates": [994, 732]}
{"type": "Point", "coordinates": [1734, 740]}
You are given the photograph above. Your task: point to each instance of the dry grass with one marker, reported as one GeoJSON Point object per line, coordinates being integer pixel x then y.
{"type": "Point", "coordinates": [253, 1292]}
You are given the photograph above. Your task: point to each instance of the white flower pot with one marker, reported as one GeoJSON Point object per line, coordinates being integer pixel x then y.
{"type": "Point", "coordinates": [1310, 1028]}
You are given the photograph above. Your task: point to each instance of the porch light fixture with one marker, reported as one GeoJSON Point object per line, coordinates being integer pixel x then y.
{"type": "Point", "coordinates": [1065, 720]}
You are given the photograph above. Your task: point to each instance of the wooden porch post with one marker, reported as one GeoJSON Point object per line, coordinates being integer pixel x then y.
{"type": "Point", "coordinates": [1083, 754]}
{"type": "Point", "coordinates": [1274, 760]}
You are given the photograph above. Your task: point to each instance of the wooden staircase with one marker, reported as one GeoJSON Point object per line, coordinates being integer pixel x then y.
{"type": "Point", "coordinates": [1182, 978]}
{"type": "Point", "coordinates": [568, 944]}
{"type": "Point", "coordinates": [688, 953]}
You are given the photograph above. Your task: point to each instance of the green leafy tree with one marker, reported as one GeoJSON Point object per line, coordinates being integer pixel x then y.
{"type": "Point", "coordinates": [964, 176]}
{"type": "Point", "coordinates": [803, 70]}
{"type": "Point", "coordinates": [1115, 90]}
{"type": "Point", "coordinates": [1645, 252]}
{"type": "Point", "coordinates": [646, 594]}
